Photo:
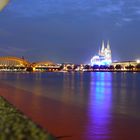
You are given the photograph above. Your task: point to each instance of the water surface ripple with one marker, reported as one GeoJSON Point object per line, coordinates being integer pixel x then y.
{"type": "Point", "coordinates": [108, 104]}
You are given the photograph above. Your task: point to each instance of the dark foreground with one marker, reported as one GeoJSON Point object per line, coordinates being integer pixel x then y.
{"type": "Point", "coordinates": [16, 126]}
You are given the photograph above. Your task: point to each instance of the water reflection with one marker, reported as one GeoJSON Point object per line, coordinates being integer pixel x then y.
{"type": "Point", "coordinates": [74, 89]}
{"type": "Point", "coordinates": [89, 106]}
{"type": "Point", "coordinates": [126, 95]}
{"type": "Point", "coordinates": [99, 106]}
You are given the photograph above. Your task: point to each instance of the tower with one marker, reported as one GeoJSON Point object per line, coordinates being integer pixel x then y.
{"type": "Point", "coordinates": [103, 47]}
{"type": "Point", "coordinates": [108, 45]}
{"type": "Point", "coordinates": [99, 52]}
{"type": "Point", "coordinates": [104, 55]}
{"type": "Point", "coordinates": [108, 57]}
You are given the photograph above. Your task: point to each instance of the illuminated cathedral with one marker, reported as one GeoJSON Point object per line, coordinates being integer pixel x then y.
{"type": "Point", "coordinates": [103, 57]}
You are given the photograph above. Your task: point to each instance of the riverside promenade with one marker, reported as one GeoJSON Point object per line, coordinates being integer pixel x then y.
{"type": "Point", "coordinates": [46, 112]}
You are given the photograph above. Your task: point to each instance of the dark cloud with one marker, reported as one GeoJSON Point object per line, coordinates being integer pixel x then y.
{"type": "Point", "coordinates": [69, 30]}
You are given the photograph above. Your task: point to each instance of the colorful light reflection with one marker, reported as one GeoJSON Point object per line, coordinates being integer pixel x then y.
{"type": "Point", "coordinates": [99, 106]}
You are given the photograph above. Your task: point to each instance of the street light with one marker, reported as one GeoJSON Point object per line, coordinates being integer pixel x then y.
{"type": "Point", "coordinates": [138, 61]}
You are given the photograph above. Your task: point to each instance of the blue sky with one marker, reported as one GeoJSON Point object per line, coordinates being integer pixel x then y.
{"type": "Point", "coordinates": [70, 30]}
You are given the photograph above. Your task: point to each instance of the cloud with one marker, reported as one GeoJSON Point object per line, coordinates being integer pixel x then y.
{"type": "Point", "coordinates": [119, 24]}
{"type": "Point", "coordinates": [45, 27]}
{"type": "Point", "coordinates": [29, 8]}
{"type": "Point", "coordinates": [127, 19]}
{"type": "Point", "coordinates": [101, 8]}
{"type": "Point", "coordinates": [9, 50]}
{"type": "Point", "coordinates": [109, 7]}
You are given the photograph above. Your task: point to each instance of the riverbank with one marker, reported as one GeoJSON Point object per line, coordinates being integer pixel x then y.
{"type": "Point", "coordinates": [15, 125]}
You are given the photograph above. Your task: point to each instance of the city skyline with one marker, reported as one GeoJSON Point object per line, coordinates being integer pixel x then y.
{"type": "Point", "coordinates": [64, 30]}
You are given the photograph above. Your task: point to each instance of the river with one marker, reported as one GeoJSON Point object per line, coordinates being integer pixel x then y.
{"type": "Point", "coordinates": [101, 105]}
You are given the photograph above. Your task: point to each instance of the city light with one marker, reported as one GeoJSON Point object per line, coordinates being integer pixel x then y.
{"type": "Point", "coordinates": [103, 57]}
{"type": "Point", "coordinates": [138, 61]}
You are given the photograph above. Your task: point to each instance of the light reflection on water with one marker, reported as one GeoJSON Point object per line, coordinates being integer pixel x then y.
{"type": "Point", "coordinates": [109, 100]}
{"type": "Point", "coordinates": [99, 106]}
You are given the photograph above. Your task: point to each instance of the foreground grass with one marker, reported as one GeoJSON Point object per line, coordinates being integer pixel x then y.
{"type": "Point", "coordinates": [16, 126]}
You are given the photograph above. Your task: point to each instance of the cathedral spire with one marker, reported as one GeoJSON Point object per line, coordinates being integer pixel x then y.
{"type": "Point", "coordinates": [103, 46]}
{"type": "Point", "coordinates": [99, 52]}
{"type": "Point", "coordinates": [108, 45]}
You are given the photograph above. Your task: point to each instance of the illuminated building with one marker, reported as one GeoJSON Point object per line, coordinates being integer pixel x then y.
{"type": "Point", "coordinates": [103, 57]}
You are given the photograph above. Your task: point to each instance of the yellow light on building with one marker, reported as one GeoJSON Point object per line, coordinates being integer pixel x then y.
{"type": "Point", "coordinates": [34, 68]}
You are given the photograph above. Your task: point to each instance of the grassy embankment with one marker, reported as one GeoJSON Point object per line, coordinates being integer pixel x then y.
{"type": "Point", "coordinates": [16, 126]}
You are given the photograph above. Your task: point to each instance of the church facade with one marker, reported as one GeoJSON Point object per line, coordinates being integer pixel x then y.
{"type": "Point", "coordinates": [104, 56]}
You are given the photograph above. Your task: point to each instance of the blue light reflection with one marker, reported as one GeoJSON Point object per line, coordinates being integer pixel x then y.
{"type": "Point", "coordinates": [99, 106]}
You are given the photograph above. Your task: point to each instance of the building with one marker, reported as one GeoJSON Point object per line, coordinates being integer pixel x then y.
{"type": "Point", "coordinates": [125, 64]}
{"type": "Point", "coordinates": [104, 56]}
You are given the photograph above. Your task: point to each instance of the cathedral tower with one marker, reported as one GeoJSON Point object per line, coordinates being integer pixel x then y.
{"type": "Point", "coordinates": [104, 56]}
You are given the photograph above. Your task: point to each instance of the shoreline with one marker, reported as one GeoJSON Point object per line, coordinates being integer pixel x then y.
{"type": "Point", "coordinates": [62, 71]}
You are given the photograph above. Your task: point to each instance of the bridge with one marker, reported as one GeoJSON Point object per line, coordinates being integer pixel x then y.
{"type": "Point", "coordinates": [10, 63]}
{"type": "Point", "coordinates": [45, 66]}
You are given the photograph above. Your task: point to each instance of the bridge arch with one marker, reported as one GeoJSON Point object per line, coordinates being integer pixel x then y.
{"type": "Point", "coordinates": [43, 64]}
{"type": "Point", "coordinates": [9, 61]}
